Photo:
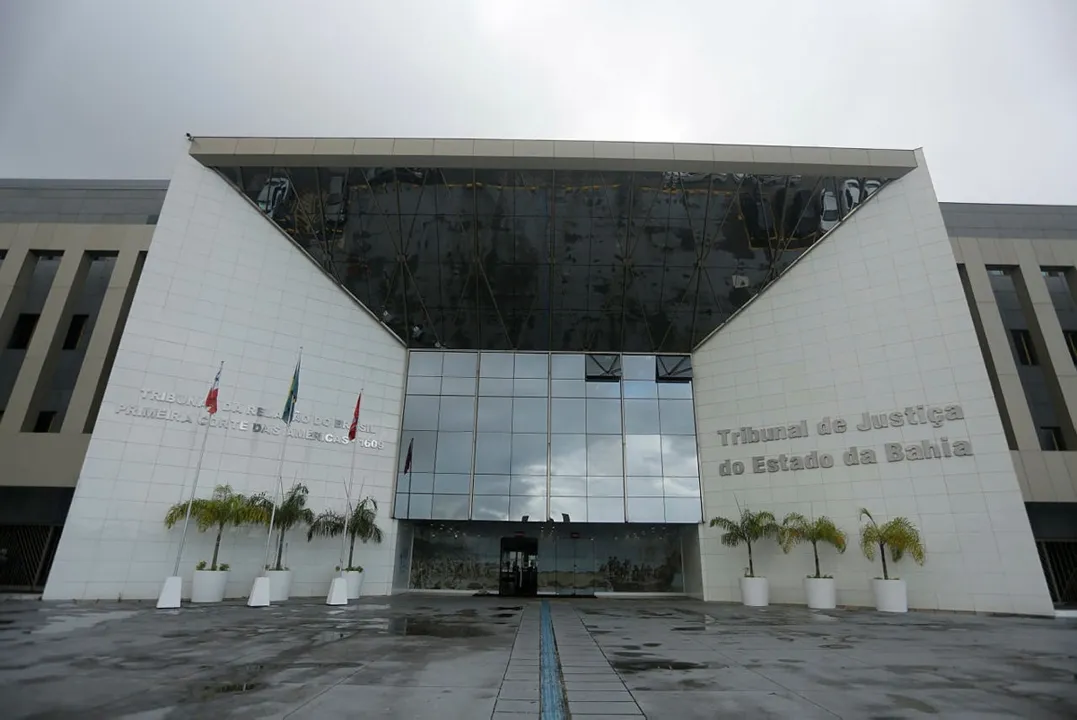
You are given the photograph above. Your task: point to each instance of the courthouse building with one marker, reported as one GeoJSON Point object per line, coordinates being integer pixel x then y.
{"type": "Point", "coordinates": [571, 355]}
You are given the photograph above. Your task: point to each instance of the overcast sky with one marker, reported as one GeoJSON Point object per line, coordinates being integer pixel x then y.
{"type": "Point", "coordinates": [107, 88]}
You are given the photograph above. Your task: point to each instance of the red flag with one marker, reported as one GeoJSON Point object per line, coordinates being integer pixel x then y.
{"type": "Point", "coordinates": [354, 428]}
{"type": "Point", "coordinates": [407, 460]}
{"type": "Point", "coordinates": [211, 398]}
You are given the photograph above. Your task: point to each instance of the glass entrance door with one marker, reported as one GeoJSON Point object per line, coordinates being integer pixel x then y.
{"type": "Point", "coordinates": [574, 563]}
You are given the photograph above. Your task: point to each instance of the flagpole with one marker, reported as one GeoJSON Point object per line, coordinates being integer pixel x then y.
{"type": "Point", "coordinates": [291, 402]}
{"type": "Point", "coordinates": [194, 486]}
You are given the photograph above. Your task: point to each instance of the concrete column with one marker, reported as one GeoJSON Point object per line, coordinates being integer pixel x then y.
{"type": "Point", "coordinates": [92, 373]}
{"type": "Point", "coordinates": [1051, 348]}
{"type": "Point", "coordinates": [1012, 399]}
{"type": "Point", "coordinates": [43, 347]}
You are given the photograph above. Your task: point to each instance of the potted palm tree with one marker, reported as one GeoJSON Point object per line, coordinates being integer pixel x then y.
{"type": "Point", "coordinates": [899, 536]}
{"type": "Point", "coordinates": [291, 511]}
{"type": "Point", "coordinates": [360, 525]}
{"type": "Point", "coordinates": [223, 509]}
{"type": "Point", "coordinates": [797, 529]}
{"type": "Point", "coordinates": [751, 527]}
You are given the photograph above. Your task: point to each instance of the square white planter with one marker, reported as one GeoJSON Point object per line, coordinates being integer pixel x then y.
{"type": "Point", "coordinates": [354, 579]}
{"type": "Point", "coordinates": [820, 593]}
{"type": "Point", "coordinates": [280, 585]}
{"type": "Point", "coordinates": [890, 595]}
{"type": "Point", "coordinates": [207, 586]}
{"type": "Point", "coordinates": [754, 591]}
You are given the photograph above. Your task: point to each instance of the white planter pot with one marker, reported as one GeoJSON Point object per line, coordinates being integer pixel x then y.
{"type": "Point", "coordinates": [890, 596]}
{"type": "Point", "coordinates": [754, 591]}
{"type": "Point", "coordinates": [280, 585]}
{"type": "Point", "coordinates": [355, 583]}
{"type": "Point", "coordinates": [820, 593]}
{"type": "Point", "coordinates": [207, 586]}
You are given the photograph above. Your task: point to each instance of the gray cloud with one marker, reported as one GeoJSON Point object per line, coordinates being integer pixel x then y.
{"type": "Point", "coordinates": [107, 88]}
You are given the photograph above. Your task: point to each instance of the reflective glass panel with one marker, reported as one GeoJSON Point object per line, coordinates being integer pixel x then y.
{"type": "Point", "coordinates": [491, 484]}
{"type": "Point", "coordinates": [425, 363]}
{"type": "Point", "coordinates": [639, 389]}
{"type": "Point", "coordinates": [423, 385]}
{"type": "Point", "coordinates": [454, 453]}
{"type": "Point", "coordinates": [675, 391]}
{"type": "Point", "coordinates": [638, 367]}
{"type": "Point", "coordinates": [489, 507]}
{"type": "Point", "coordinates": [605, 487]}
{"type": "Point", "coordinates": [606, 509]}
{"type": "Point", "coordinates": [568, 509]}
{"type": "Point", "coordinates": [568, 388]}
{"type": "Point", "coordinates": [603, 417]}
{"type": "Point", "coordinates": [568, 415]}
{"type": "Point", "coordinates": [458, 386]}
{"type": "Point", "coordinates": [531, 365]}
{"type": "Point", "coordinates": [493, 453]}
{"type": "Point", "coordinates": [566, 367]}
{"type": "Point", "coordinates": [403, 482]}
{"type": "Point", "coordinates": [400, 506]}
{"type": "Point", "coordinates": [643, 486]}
{"type": "Point", "coordinates": [643, 455]}
{"type": "Point", "coordinates": [460, 364]}
{"type": "Point", "coordinates": [681, 487]}
{"type": "Point", "coordinates": [529, 415]}
{"type": "Point", "coordinates": [568, 455]}
{"type": "Point", "coordinates": [602, 389]}
{"type": "Point", "coordinates": [568, 486]}
{"type": "Point", "coordinates": [421, 412]}
{"type": "Point", "coordinates": [452, 484]}
{"type": "Point", "coordinates": [683, 510]}
{"type": "Point", "coordinates": [641, 417]}
{"type": "Point", "coordinates": [531, 485]}
{"type": "Point", "coordinates": [457, 414]}
{"type": "Point", "coordinates": [419, 506]}
{"type": "Point", "coordinates": [421, 482]}
{"type": "Point", "coordinates": [676, 417]}
{"type": "Point", "coordinates": [604, 455]}
{"type": "Point", "coordinates": [532, 508]}
{"type": "Point", "coordinates": [495, 387]}
{"type": "Point", "coordinates": [423, 446]}
{"type": "Point", "coordinates": [645, 510]}
{"type": "Point", "coordinates": [679, 456]}
{"type": "Point", "coordinates": [449, 507]}
{"type": "Point", "coordinates": [530, 388]}
{"type": "Point", "coordinates": [496, 365]}
{"type": "Point", "coordinates": [529, 454]}
{"type": "Point", "coordinates": [495, 414]}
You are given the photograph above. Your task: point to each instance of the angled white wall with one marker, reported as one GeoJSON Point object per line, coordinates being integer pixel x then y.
{"type": "Point", "coordinates": [874, 320]}
{"type": "Point", "coordinates": [220, 282]}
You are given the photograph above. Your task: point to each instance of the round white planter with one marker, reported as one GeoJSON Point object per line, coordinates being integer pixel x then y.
{"type": "Point", "coordinates": [355, 583]}
{"type": "Point", "coordinates": [207, 586]}
{"type": "Point", "coordinates": [890, 596]}
{"type": "Point", "coordinates": [820, 593]}
{"type": "Point", "coordinates": [754, 591]}
{"type": "Point", "coordinates": [280, 585]}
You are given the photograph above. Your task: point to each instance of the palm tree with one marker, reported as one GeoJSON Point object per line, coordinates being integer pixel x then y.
{"type": "Point", "coordinates": [751, 527]}
{"type": "Point", "coordinates": [798, 529]}
{"type": "Point", "coordinates": [361, 525]}
{"type": "Point", "coordinates": [291, 511]}
{"type": "Point", "coordinates": [222, 509]}
{"type": "Point", "coordinates": [898, 534]}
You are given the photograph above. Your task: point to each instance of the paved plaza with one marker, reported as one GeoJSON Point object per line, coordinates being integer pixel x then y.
{"type": "Point", "coordinates": [470, 658]}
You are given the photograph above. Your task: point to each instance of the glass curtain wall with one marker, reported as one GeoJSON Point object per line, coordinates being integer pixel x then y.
{"type": "Point", "coordinates": [535, 437]}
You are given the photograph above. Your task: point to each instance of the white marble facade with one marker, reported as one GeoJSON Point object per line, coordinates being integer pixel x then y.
{"type": "Point", "coordinates": [872, 320]}
{"type": "Point", "coordinates": [221, 283]}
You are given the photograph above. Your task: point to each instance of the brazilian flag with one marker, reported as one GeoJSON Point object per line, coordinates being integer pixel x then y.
{"type": "Point", "coordinates": [293, 395]}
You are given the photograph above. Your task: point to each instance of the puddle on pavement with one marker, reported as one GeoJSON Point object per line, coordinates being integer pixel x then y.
{"type": "Point", "coordinates": [689, 628]}
{"type": "Point", "coordinates": [652, 644]}
{"type": "Point", "coordinates": [230, 688]}
{"type": "Point", "coordinates": [66, 623]}
{"type": "Point", "coordinates": [423, 627]}
{"type": "Point", "coordinates": [628, 667]}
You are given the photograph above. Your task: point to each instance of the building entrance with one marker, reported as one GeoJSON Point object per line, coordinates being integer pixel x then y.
{"type": "Point", "coordinates": [573, 565]}
{"type": "Point", "coordinates": [519, 567]}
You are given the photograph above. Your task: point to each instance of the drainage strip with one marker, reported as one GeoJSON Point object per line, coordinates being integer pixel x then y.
{"type": "Point", "coordinates": [552, 689]}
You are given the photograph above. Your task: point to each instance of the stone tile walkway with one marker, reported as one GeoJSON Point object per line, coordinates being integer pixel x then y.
{"type": "Point", "coordinates": [464, 658]}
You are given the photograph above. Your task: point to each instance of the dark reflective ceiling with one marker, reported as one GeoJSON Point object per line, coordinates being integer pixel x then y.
{"type": "Point", "coordinates": [551, 260]}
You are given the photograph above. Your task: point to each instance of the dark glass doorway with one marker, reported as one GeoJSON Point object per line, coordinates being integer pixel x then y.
{"type": "Point", "coordinates": [519, 567]}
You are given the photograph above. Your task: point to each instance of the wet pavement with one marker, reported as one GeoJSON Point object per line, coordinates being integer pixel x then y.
{"type": "Point", "coordinates": [448, 657]}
